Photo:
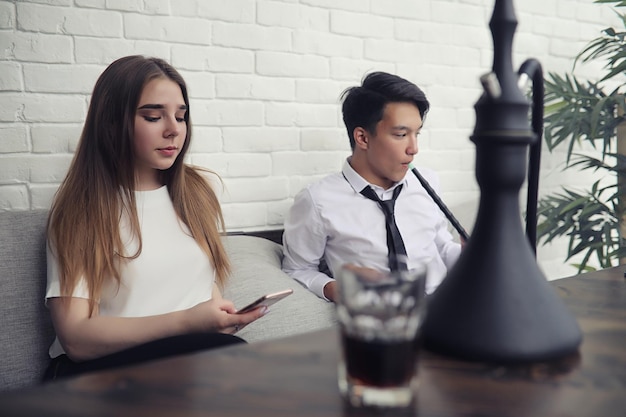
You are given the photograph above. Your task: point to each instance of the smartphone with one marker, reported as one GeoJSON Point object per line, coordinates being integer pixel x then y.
{"type": "Point", "coordinates": [266, 300]}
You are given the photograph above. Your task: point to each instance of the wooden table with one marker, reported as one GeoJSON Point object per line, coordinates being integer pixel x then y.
{"type": "Point", "coordinates": [296, 377]}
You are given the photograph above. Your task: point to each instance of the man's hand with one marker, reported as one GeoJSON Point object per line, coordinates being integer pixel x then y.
{"type": "Point", "coordinates": [330, 290]}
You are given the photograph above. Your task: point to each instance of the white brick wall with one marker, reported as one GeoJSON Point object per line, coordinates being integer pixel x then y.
{"type": "Point", "coordinates": [265, 78]}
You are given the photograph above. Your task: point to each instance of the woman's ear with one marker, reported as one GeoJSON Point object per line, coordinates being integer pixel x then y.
{"type": "Point", "coordinates": [360, 138]}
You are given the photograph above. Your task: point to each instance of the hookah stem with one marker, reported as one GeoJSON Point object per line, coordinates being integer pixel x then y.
{"type": "Point", "coordinates": [446, 211]}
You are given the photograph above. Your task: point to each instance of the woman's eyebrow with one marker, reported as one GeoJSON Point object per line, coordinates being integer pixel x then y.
{"type": "Point", "coordinates": [159, 106]}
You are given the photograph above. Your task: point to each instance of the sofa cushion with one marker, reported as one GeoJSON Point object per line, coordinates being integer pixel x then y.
{"type": "Point", "coordinates": [26, 330]}
{"type": "Point", "coordinates": [257, 271]}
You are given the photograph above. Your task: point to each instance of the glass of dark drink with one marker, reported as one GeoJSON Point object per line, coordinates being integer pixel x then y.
{"type": "Point", "coordinates": [380, 314]}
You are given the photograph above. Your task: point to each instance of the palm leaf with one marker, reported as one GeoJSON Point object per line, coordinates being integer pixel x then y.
{"type": "Point", "coordinates": [620, 3]}
{"type": "Point", "coordinates": [578, 112]}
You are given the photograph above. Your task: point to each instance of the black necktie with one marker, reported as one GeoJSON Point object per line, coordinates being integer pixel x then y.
{"type": "Point", "coordinates": [395, 244]}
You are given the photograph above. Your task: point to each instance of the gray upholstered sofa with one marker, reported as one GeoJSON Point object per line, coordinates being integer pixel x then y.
{"type": "Point", "coordinates": [26, 331]}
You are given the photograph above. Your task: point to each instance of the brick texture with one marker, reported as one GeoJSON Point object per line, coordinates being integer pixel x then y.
{"type": "Point", "coordinates": [265, 78]}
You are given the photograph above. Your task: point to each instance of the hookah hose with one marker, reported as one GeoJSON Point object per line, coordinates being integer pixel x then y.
{"type": "Point", "coordinates": [446, 211]}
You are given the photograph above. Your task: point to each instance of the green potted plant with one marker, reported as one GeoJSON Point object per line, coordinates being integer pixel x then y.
{"type": "Point", "coordinates": [576, 112]}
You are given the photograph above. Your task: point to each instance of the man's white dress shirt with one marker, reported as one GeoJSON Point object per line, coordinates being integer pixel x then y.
{"type": "Point", "coordinates": [330, 220]}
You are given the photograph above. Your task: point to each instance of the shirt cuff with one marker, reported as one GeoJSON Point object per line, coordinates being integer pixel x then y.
{"type": "Point", "coordinates": [317, 286]}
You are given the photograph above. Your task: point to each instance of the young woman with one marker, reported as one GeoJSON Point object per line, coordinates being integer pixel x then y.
{"type": "Point", "coordinates": [135, 260]}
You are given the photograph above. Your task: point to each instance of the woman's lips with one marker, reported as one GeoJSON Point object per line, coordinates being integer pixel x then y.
{"type": "Point", "coordinates": [169, 151]}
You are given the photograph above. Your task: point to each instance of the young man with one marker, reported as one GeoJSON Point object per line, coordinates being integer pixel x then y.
{"type": "Point", "coordinates": [335, 222]}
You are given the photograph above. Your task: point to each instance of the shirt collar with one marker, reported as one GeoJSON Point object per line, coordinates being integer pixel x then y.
{"type": "Point", "coordinates": [357, 182]}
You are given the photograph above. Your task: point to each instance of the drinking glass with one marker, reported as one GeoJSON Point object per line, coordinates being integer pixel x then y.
{"type": "Point", "coordinates": [379, 315]}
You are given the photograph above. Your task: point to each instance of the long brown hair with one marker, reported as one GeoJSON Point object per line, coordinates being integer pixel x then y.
{"type": "Point", "coordinates": [84, 220]}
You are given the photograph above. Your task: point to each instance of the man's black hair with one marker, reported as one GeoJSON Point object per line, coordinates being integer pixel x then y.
{"type": "Point", "coordinates": [364, 105]}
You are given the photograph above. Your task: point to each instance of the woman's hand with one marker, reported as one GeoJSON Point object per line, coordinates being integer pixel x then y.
{"type": "Point", "coordinates": [220, 315]}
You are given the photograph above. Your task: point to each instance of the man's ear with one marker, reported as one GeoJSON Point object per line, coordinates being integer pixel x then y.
{"type": "Point", "coordinates": [360, 138]}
